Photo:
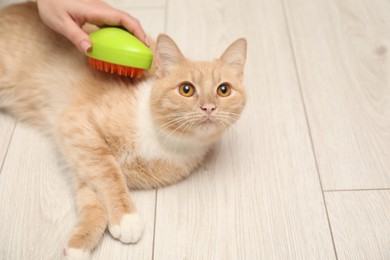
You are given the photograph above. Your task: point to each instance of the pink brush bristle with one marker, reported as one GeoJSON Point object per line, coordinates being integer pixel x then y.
{"type": "Point", "coordinates": [114, 68]}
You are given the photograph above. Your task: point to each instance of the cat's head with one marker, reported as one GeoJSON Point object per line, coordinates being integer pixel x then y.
{"type": "Point", "coordinates": [197, 100]}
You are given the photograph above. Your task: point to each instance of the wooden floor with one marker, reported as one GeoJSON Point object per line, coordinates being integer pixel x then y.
{"type": "Point", "coordinates": [305, 174]}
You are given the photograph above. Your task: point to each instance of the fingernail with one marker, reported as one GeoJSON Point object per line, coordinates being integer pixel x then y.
{"type": "Point", "coordinates": [86, 46]}
{"type": "Point", "coordinates": [147, 41]}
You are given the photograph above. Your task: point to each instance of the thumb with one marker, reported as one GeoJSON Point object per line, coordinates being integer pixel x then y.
{"type": "Point", "coordinates": [77, 36]}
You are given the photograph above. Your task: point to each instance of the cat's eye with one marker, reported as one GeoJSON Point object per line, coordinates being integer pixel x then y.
{"type": "Point", "coordinates": [224, 90]}
{"type": "Point", "coordinates": [186, 89]}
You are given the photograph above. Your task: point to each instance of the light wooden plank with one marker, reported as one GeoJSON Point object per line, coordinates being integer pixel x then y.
{"type": "Point", "coordinates": [152, 19]}
{"type": "Point", "coordinates": [258, 196]}
{"type": "Point", "coordinates": [360, 223]}
{"type": "Point", "coordinates": [6, 129]}
{"type": "Point", "coordinates": [343, 61]}
{"type": "Point", "coordinates": [36, 203]}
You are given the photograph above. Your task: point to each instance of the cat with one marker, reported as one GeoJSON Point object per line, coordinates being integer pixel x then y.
{"type": "Point", "coordinates": [116, 134]}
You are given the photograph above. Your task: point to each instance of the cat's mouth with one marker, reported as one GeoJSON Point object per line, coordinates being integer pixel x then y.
{"type": "Point", "coordinates": [207, 120]}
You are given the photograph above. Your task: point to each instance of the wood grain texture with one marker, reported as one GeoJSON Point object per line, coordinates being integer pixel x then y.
{"type": "Point", "coordinates": [7, 125]}
{"type": "Point", "coordinates": [152, 19]}
{"type": "Point", "coordinates": [258, 196]}
{"type": "Point", "coordinates": [36, 201]}
{"type": "Point", "coordinates": [361, 224]}
{"type": "Point", "coordinates": [344, 68]}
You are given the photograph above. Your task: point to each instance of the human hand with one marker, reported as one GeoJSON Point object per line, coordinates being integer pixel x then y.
{"type": "Point", "coordinates": [67, 16]}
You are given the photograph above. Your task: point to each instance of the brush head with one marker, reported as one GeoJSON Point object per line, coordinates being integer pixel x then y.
{"type": "Point", "coordinates": [115, 50]}
{"type": "Point", "coordinates": [115, 68]}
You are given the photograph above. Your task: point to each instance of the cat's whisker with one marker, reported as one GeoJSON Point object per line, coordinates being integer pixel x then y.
{"type": "Point", "coordinates": [229, 125]}
{"type": "Point", "coordinates": [171, 115]}
{"type": "Point", "coordinates": [228, 114]}
{"type": "Point", "coordinates": [185, 130]}
{"type": "Point", "coordinates": [178, 139]}
{"type": "Point", "coordinates": [170, 123]}
{"type": "Point", "coordinates": [175, 114]}
{"type": "Point", "coordinates": [170, 134]}
{"type": "Point", "coordinates": [176, 117]}
{"type": "Point", "coordinates": [228, 118]}
{"type": "Point", "coordinates": [226, 121]}
{"type": "Point", "coordinates": [181, 121]}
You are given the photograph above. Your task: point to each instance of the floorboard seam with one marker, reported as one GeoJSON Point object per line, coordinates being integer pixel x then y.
{"type": "Point", "coordinates": [307, 121]}
{"type": "Point", "coordinates": [357, 190]}
{"type": "Point", "coordinates": [155, 222]}
{"type": "Point", "coordinates": [8, 145]}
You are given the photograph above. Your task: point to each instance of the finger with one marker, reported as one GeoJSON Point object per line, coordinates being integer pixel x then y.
{"type": "Point", "coordinates": [76, 35]}
{"type": "Point", "coordinates": [134, 26]}
{"type": "Point", "coordinates": [118, 18]}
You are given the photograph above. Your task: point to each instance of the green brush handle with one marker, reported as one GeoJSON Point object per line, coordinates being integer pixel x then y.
{"type": "Point", "coordinates": [118, 46]}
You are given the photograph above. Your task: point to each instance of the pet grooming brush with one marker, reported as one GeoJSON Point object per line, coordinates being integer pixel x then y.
{"type": "Point", "coordinates": [115, 50]}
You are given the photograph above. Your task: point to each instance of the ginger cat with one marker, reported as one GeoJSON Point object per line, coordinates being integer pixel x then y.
{"type": "Point", "coordinates": [116, 134]}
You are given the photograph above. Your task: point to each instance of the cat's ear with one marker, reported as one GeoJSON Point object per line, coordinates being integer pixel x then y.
{"type": "Point", "coordinates": [167, 55]}
{"type": "Point", "coordinates": [235, 56]}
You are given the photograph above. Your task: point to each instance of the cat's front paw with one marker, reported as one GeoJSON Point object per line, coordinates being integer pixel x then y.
{"type": "Point", "coordinates": [129, 230]}
{"type": "Point", "coordinates": [76, 254]}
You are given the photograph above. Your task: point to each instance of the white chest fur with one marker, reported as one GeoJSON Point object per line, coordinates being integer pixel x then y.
{"type": "Point", "coordinates": [153, 144]}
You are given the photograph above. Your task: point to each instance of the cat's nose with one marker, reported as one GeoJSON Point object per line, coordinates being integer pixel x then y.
{"type": "Point", "coordinates": [208, 108]}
